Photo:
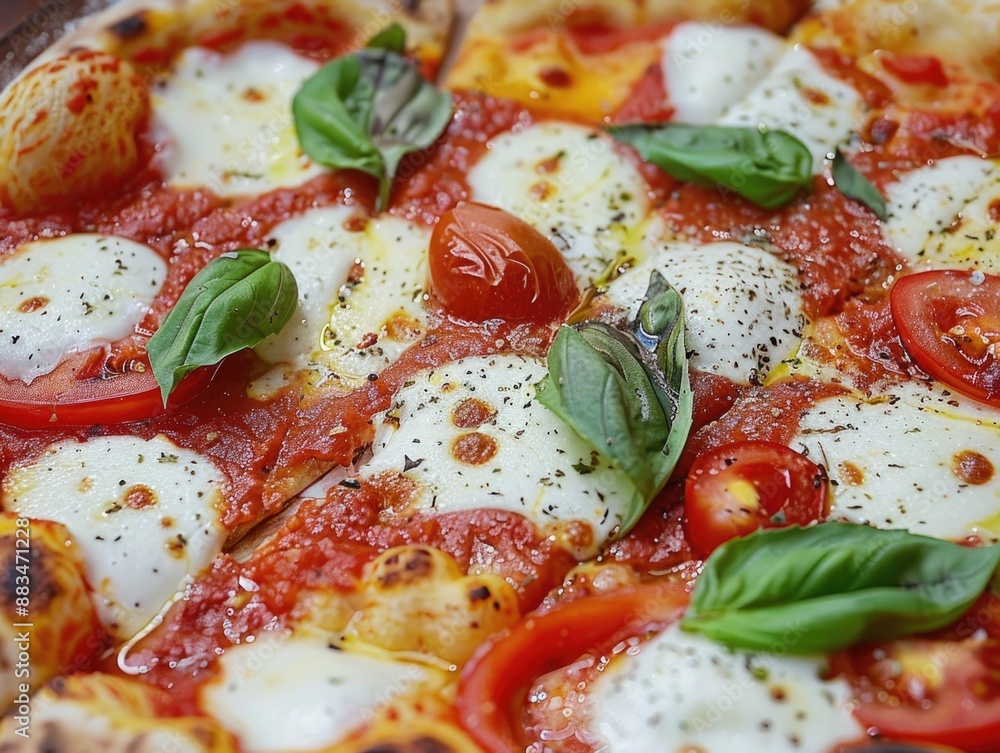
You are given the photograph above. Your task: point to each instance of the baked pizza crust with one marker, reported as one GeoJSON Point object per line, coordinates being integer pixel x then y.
{"type": "Point", "coordinates": [70, 122]}
{"type": "Point", "coordinates": [589, 85]}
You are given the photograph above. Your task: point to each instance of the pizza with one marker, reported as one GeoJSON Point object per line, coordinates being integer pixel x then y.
{"type": "Point", "coordinates": [547, 376]}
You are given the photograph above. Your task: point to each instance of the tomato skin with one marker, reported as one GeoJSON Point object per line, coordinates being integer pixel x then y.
{"type": "Point", "coordinates": [487, 264]}
{"type": "Point", "coordinates": [738, 488]}
{"type": "Point", "coordinates": [132, 396]}
{"type": "Point", "coordinates": [915, 69]}
{"type": "Point", "coordinates": [944, 692]}
{"type": "Point", "coordinates": [494, 682]}
{"type": "Point", "coordinates": [947, 323]}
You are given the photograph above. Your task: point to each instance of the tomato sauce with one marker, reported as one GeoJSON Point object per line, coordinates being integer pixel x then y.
{"type": "Point", "coordinates": [311, 438]}
{"type": "Point", "coordinates": [324, 547]}
{"type": "Point", "coordinates": [430, 183]}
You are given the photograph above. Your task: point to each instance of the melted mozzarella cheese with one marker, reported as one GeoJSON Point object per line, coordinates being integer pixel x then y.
{"type": "Point", "coordinates": [571, 184]}
{"type": "Point", "coordinates": [939, 215]}
{"type": "Point", "coordinates": [920, 459]}
{"type": "Point", "coordinates": [348, 328]}
{"type": "Point", "coordinates": [320, 251]}
{"type": "Point", "coordinates": [145, 514]}
{"type": "Point", "coordinates": [302, 694]}
{"type": "Point", "coordinates": [684, 692]}
{"type": "Point", "coordinates": [523, 458]}
{"type": "Point", "coordinates": [227, 119]}
{"type": "Point", "coordinates": [798, 96]}
{"type": "Point", "coordinates": [710, 67]}
{"type": "Point", "coordinates": [69, 294]}
{"type": "Point", "coordinates": [743, 305]}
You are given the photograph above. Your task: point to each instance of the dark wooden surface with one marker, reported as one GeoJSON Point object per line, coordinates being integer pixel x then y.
{"type": "Point", "coordinates": [28, 26]}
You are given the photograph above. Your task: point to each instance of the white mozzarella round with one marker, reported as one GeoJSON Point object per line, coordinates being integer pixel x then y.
{"type": "Point", "coordinates": [571, 184]}
{"type": "Point", "coordinates": [683, 693]}
{"type": "Point", "coordinates": [320, 251]}
{"type": "Point", "coordinates": [145, 514]}
{"type": "Point", "coordinates": [349, 328]}
{"type": "Point", "coordinates": [939, 215]}
{"type": "Point", "coordinates": [743, 305]}
{"type": "Point", "coordinates": [227, 119]}
{"type": "Point", "coordinates": [299, 693]}
{"type": "Point", "coordinates": [66, 295]}
{"type": "Point", "coordinates": [798, 96]}
{"type": "Point", "coordinates": [528, 460]}
{"type": "Point", "coordinates": [710, 67]}
{"type": "Point", "coordinates": [916, 458]}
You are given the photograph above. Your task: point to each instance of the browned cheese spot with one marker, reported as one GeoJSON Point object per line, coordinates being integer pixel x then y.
{"type": "Point", "coordinates": [472, 412]}
{"type": "Point", "coordinates": [474, 448]}
{"type": "Point", "coordinates": [850, 474]}
{"type": "Point", "coordinates": [140, 496]}
{"type": "Point", "coordinates": [403, 327]}
{"type": "Point", "coordinates": [33, 304]}
{"type": "Point", "coordinates": [972, 467]}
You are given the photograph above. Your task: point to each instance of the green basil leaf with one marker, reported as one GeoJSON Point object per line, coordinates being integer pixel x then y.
{"type": "Point", "coordinates": [391, 38]}
{"type": "Point", "coordinates": [767, 167]}
{"type": "Point", "coordinates": [856, 186]}
{"type": "Point", "coordinates": [821, 589]}
{"type": "Point", "coordinates": [627, 393]}
{"type": "Point", "coordinates": [235, 302]}
{"type": "Point", "coordinates": [368, 110]}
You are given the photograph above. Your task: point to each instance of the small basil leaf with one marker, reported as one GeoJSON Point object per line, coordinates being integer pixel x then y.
{"type": "Point", "coordinates": [391, 38]}
{"type": "Point", "coordinates": [625, 422]}
{"type": "Point", "coordinates": [821, 589]}
{"type": "Point", "coordinates": [627, 393]}
{"type": "Point", "coordinates": [235, 302]}
{"type": "Point", "coordinates": [368, 110]}
{"type": "Point", "coordinates": [856, 186]}
{"type": "Point", "coordinates": [766, 167]}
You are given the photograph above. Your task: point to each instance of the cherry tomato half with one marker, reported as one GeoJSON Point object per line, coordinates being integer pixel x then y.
{"type": "Point", "coordinates": [488, 264]}
{"type": "Point", "coordinates": [936, 691]}
{"type": "Point", "coordinates": [949, 323]}
{"type": "Point", "coordinates": [915, 69]}
{"type": "Point", "coordinates": [77, 394]}
{"type": "Point", "coordinates": [494, 683]}
{"type": "Point", "coordinates": [738, 488]}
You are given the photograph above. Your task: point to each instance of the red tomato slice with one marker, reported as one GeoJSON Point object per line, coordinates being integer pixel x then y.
{"type": "Point", "coordinates": [936, 691]}
{"type": "Point", "coordinates": [949, 323]}
{"type": "Point", "coordinates": [738, 488]}
{"type": "Point", "coordinates": [916, 69]}
{"type": "Point", "coordinates": [74, 395]}
{"type": "Point", "coordinates": [488, 264]}
{"type": "Point", "coordinates": [494, 683]}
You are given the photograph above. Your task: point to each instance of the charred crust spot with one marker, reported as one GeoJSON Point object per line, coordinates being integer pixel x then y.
{"type": "Point", "coordinates": [479, 593]}
{"type": "Point", "coordinates": [52, 740]}
{"type": "Point", "coordinates": [129, 28]}
{"type": "Point", "coordinates": [430, 745]}
{"type": "Point", "coordinates": [44, 587]}
{"type": "Point", "coordinates": [405, 567]}
{"type": "Point", "coordinates": [423, 744]}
